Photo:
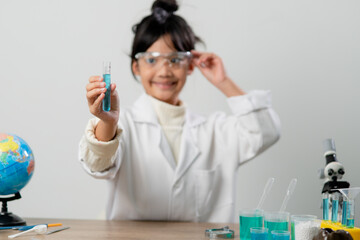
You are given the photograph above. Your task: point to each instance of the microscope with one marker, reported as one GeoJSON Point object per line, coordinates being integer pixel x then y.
{"type": "Point", "coordinates": [332, 173]}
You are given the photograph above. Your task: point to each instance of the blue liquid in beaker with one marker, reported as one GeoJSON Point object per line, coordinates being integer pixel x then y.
{"type": "Point", "coordinates": [287, 237]}
{"type": "Point", "coordinates": [280, 235]}
{"type": "Point", "coordinates": [259, 236]}
{"type": "Point", "coordinates": [248, 222]}
{"type": "Point", "coordinates": [106, 100]}
{"type": "Point", "coordinates": [276, 226]}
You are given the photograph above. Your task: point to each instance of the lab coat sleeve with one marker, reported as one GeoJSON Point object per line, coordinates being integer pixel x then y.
{"type": "Point", "coordinates": [99, 159]}
{"type": "Point", "coordinates": [257, 124]}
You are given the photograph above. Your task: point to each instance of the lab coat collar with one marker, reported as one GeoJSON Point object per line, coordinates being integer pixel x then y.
{"type": "Point", "coordinates": [144, 112]}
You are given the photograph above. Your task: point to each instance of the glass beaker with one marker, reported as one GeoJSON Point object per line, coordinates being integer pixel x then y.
{"type": "Point", "coordinates": [276, 221]}
{"type": "Point", "coordinates": [280, 235]}
{"type": "Point", "coordinates": [249, 219]}
{"type": "Point", "coordinates": [350, 194]}
{"type": "Point", "coordinates": [259, 233]}
{"type": "Point", "coordinates": [304, 227]}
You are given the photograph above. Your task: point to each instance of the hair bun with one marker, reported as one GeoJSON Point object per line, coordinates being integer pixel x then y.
{"type": "Point", "coordinates": [169, 6]}
{"type": "Point", "coordinates": [163, 9]}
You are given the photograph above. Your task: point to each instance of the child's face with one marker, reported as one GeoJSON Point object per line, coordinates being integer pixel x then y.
{"type": "Point", "coordinates": [162, 81]}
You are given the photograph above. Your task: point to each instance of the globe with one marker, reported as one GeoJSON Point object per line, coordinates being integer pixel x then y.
{"type": "Point", "coordinates": [16, 164]}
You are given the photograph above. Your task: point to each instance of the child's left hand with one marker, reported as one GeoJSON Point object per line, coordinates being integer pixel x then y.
{"type": "Point", "coordinates": [211, 66]}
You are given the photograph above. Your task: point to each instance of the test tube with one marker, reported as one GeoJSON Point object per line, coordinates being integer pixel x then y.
{"type": "Point", "coordinates": [107, 80]}
{"type": "Point", "coordinates": [335, 207]}
{"type": "Point", "coordinates": [351, 214]}
{"type": "Point", "coordinates": [325, 197]}
{"type": "Point", "coordinates": [344, 212]}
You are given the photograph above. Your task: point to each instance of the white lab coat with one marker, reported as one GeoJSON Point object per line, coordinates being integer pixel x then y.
{"type": "Point", "coordinates": [146, 184]}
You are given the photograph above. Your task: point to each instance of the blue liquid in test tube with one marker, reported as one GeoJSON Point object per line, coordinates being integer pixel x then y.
{"type": "Point", "coordinates": [107, 80]}
{"type": "Point", "coordinates": [344, 213]}
{"type": "Point", "coordinates": [335, 209]}
{"type": "Point", "coordinates": [325, 208]}
{"type": "Point", "coordinates": [350, 223]}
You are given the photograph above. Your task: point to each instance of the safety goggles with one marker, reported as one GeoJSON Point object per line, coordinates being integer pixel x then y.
{"type": "Point", "coordinates": [155, 59]}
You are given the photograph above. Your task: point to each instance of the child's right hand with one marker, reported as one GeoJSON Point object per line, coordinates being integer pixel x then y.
{"type": "Point", "coordinates": [95, 93]}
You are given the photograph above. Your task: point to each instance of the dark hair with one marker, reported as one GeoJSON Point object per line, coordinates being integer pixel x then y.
{"type": "Point", "coordinates": [163, 21]}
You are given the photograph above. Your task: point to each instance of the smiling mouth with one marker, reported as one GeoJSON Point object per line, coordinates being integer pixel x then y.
{"type": "Point", "coordinates": [164, 85]}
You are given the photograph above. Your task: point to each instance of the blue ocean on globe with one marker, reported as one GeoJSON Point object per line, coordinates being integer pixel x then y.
{"type": "Point", "coordinates": [16, 164]}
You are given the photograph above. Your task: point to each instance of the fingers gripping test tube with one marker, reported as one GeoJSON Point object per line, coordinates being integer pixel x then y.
{"type": "Point", "coordinates": [107, 79]}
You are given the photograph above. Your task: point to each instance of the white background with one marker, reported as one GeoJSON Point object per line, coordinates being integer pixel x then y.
{"type": "Point", "coordinates": [307, 52]}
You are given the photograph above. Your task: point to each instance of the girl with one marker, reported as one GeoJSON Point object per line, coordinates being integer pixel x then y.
{"type": "Point", "coordinates": [162, 161]}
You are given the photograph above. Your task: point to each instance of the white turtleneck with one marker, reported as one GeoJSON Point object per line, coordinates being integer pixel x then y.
{"type": "Point", "coordinates": [171, 119]}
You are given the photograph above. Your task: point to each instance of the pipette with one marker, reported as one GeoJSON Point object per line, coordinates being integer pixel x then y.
{"type": "Point", "coordinates": [289, 191]}
{"type": "Point", "coordinates": [24, 228]}
{"type": "Point", "coordinates": [266, 191]}
{"type": "Point", "coordinates": [39, 229]}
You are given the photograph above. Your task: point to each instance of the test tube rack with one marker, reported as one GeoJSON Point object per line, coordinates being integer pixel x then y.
{"type": "Point", "coordinates": [354, 232]}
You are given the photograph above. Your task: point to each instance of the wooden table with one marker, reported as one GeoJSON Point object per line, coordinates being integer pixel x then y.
{"type": "Point", "coordinates": [101, 229]}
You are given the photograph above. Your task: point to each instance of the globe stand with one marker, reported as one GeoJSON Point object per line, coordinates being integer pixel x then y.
{"type": "Point", "coordinates": [7, 218]}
